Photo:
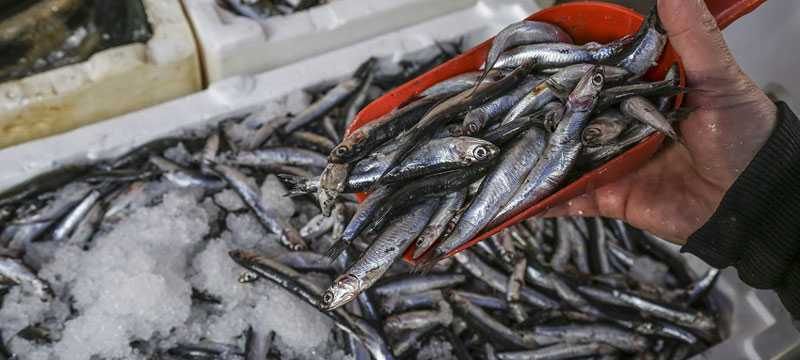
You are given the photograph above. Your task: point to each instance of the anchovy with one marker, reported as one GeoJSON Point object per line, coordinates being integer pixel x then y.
{"type": "Point", "coordinates": [490, 111]}
{"type": "Point", "coordinates": [377, 259]}
{"type": "Point", "coordinates": [540, 96]}
{"type": "Point", "coordinates": [565, 80]}
{"type": "Point", "coordinates": [485, 301]}
{"type": "Point", "coordinates": [70, 222]}
{"type": "Point", "coordinates": [499, 281]}
{"type": "Point", "coordinates": [488, 325]}
{"type": "Point", "coordinates": [276, 156]}
{"type": "Point", "coordinates": [667, 102]}
{"type": "Point", "coordinates": [312, 140]}
{"type": "Point", "coordinates": [604, 128]}
{"type": "Point", "coordinates": [594, 155]}
{"type": "Point", "coordinates": [329, 126]}
{"type": "Point", "coordinates": [264, 133]}
{"type": "Point", "coordinates": [88, 226]}
{"type": "Point", "coordinates": [419, 318]}
{"type": "Point", "coordinates": [563, 250]}
{"type": "Point", "coordinates": [331, 99]}
{"type": "Point", "coordinates": [450, 205]}
{"type": "Point", "coordinates": [182, 177]}
{"type": "Point", "coordinates": [309, 292]}
{"type": "Point", "coordinates": [407, 285]}
{"type": "Point", "coordinates": [614, 95]}
{"type": "Point", "coordinates": [267, 215]}
{"type": "Point", "coordinates": [458, 83]}
{"type": "Point", "coordinates": [495, 191]}
{"type": "Point", "coordinates": [522, 33]}
{"type": "Point", "coordinates": [643, 110]}
{"type": "Point", "coordinates": [360, 221]}
{"type": "Point", "coordinates": [644, 51]}
{"type": "Point", "coordinates": [398, 303]}
{"type": "Point", "coordinates": [600, 243]}
{"type": "Point", "coordinates": [515, 283]}
{"type": "Point", "coordinates": [560, 351]}
{"type": "Point", "coordinates": [209, 154]}
{"type": "Point", "coordinates": [358, 100]}
{"type": "Point", "coordinates": [332, 182]}
{"type": "Point", "coordinates": [205, 350]}
{"type": "Point", "coordinates": [580, 255]}
{"type": "Point", "coordinates": [369, 310]}
{"type": "Point", "coordinates": [317, 226]}
{"type": "Point", "coordinates": [560, 54]}
{"type": "Point", "coordinates": [613, 336]}
{"type": "Point", "coordinates": [14, 271]}
{"type": "Point", "coordinates": [693, 320]}
{"type": "Point", "coordinates": [339, 220]}
{"type": "Point", "coordinates": [360, 142]}
{"type": "Point", "coordinates": [306, 261]}
{"type": "Point", "coordinates": [702, 286]}
{"type": "Point", "coordinates": [562, 151]}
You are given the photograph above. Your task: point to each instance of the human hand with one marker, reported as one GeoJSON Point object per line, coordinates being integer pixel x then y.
{"type": "Point", "coordinates": [675, 193]}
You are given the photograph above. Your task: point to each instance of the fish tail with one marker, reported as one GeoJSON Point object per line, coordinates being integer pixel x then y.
{"type": "Point", "coordinates": [427, 261]}
{"type": "Point", "coordinates": [336, 249]}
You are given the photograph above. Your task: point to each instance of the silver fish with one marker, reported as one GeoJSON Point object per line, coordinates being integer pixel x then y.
{"type": "Point", "coordinates": [18, 273]}
{"type": "Point", "coordinates": [560, 54]}
{"type": "Point", "coordinates": [264, 133]}
{"type": "Point", "coordinates": [266, 214]}
{"type": "Point", "coordinates": [377, 259]}
{"type": "Point", "coordinates": [397, 303]}
{"type": "Point", "coordinates": [643, 110]}
{"type": "Point", "coordinates": [616, 337]}
{"type": "Point", "coordinates": [522, 33]}
{"type": "Point", "coordinates": [515, 283]}
{"type": "Point", "coordinates": [325, 104]}
{"type": "Point", "coordinates": [407, 285]}
{"type": "Point", "coordinates": [489, 326]}
{"type": "Point", "coordinates": [565, 80]}
{"type": "Point", "coordinates": [68, 224]}
{"type": "Point", "coordinates": [456, 84]}
{"type": "Point", "coordinates": [310, 293]}
{"type": "Point", "coordinates": [360, 221]}
{"type": "Point", "coordinates": [559, 351]}
{"type": "Point", "coordinates": [562, 149]}
{"type": "Point", "coordinates": [496, 190]}
{"type": "Point", "coordinates": [419, 318]}
{"type": "Point", "coordinates": [276, 156]}
{"type": "Point", "coordinates": [486, 113]}
{"type": "Point", "coordinates": [450, 205]}
{"type": "Point", "coordinates": [644, 51]}
{"type": "Point", "coordinates": [604, 128]}
{"type": "Point", "coordinates": [317, 226]}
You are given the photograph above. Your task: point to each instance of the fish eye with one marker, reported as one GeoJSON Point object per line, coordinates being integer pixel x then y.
{"type": "Point", "coordinates": [327, 298]}
{"type": "Point", "coordinates": [480, 153]}
{"type": "Point", "coordinates": [341, 150]}
{"type": "Point", "coordinates": [473, 128]}
{"type": "Point", "coordinates": [597, 80]}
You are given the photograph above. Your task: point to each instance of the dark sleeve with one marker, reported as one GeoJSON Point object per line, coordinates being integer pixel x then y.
{"type": "Point", "coordinates": [756, 227]}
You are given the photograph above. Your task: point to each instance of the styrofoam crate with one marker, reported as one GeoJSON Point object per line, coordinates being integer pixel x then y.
{"type": "Point", "coordinates": [757, 325]}
{"type": "Point", "coordinates": [111, 82]}
{"type": "Point", "coordinates": [236, 45]}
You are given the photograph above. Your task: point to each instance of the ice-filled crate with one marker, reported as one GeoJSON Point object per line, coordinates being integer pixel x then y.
{"type": "Point", "coordinates": [234, 45]}
{"type": "Point", "coordinates": [110, 82]}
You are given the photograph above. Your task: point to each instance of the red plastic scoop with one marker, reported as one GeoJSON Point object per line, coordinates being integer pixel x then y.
{"type": "Point", "coordinates": [584, 21]}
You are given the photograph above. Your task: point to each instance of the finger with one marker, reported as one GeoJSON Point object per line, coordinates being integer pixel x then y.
{"type": "Point", "coordinates": [582, 205]}
{"type": "Point", "coordinates": [694, 34]}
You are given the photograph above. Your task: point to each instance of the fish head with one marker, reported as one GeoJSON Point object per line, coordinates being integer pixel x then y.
{"type": "Point", "coordinates": [477, 151]}
{"type": "Point", "coordinates": [585, 95]}
{"type": "Point", "coordinates": [615, 73]}
{"type": "Point", "coordinates": [343, 290]}
{"type": "Point", "coordinates": [346, 150]}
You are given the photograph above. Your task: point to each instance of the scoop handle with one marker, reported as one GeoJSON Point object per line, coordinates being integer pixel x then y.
{"type": "Point", "coordinates": [728, 11]}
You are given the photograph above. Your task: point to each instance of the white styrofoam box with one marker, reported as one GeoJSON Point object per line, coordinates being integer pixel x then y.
{"type": "Point", "coordinates": [241, 94]}
{"type": "Point", "coordinates": [236, 45]}
{"type": "Point", "coordinates": [112, 82]}
{"type": "Point", "coordinates": [765, 43]}
{"type": "Point", "coordinates": [758, 326]}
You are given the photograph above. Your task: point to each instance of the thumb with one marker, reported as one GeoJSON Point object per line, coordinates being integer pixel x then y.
{"type": "Point", "coordinates": [694, 34]}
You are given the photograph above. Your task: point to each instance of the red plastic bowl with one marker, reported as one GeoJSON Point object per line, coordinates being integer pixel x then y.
{"type": "Point", "coordinates": [585, 21]}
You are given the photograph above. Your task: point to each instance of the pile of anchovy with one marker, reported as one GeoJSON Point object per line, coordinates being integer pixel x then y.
{"type": "Point", "coordinates": [262, 9]}
{"type": "Point", "coordinates": [39, 35]}
{"type": "Point", "coordinates": [437, 171]}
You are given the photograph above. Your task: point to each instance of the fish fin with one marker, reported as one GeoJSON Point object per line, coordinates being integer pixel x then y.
{"type": "Point", "coordinates": [336, 249]}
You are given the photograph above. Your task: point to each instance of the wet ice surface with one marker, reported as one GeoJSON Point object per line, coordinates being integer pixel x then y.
{"type": "Point", "coordinates": [136, 280]}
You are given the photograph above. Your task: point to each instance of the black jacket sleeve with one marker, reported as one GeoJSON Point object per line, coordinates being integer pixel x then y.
{"type": "Point", "coordinates": [756, 227]}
